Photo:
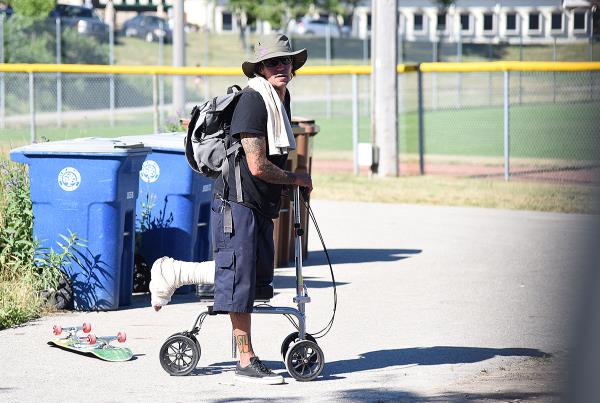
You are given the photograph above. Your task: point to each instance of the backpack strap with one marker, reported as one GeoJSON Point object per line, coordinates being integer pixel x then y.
{"type": "Point", "coordinates": [227, 218]}
{"type": "Point", "coordinates": [235, 151]}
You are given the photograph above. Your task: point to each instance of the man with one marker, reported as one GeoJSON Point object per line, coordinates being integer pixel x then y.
{"type": "Point", "coordinates": [244, 255]}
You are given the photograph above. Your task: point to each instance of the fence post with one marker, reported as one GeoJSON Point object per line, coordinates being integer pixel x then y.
{"type": "Point", "coordinates": [2, 89]}
{"type": "Point", "coordinates": [434, 93]}
{"type": "Point", "coordinates": [31, 107]}
{"type": "Point", "coordinates": [161, 78]}
{"type": "Point", "coordinates": [554, 72]}
{"type": "Point", "coordinates": [490, 79]}
{"type": "Point", "coordinates": [328, 62]}
{"type": "Point", "coordinates": [506, 126]}
{"type": "Point", "coordinates": [355, 122]}
{"type": "Point", "coordinates": [155, 102]}
{"type": "Point", "coordinates": [111, 80]}
{"type": "Point", "coordinates": [421, 139]}
{"type": "Point", "coordinates": [58, 75]}
{"type": "Point", "coordinates": [459, 59]}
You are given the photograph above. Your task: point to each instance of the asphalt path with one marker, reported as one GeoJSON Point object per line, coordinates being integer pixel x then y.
{"type": "Point", "coordinates": [430, 299]}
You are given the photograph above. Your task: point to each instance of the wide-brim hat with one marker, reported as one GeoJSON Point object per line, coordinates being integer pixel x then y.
{"type": "Point", "coordinates": [274, 46]}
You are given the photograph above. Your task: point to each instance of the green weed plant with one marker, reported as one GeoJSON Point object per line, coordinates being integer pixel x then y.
{"type": "Point", "coordinates": [27, 271]}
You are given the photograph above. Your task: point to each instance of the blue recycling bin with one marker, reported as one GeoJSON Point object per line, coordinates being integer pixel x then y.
{"type": "Point", "coordinates": [88, 186]}
{"type": "Point", "coordinates": [173, 208]}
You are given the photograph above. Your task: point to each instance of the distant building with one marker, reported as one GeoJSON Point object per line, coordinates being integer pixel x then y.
{"type": "Point", "coordinates": [481, 21]}
{"type": "Point", "coordinates": [475, 21]}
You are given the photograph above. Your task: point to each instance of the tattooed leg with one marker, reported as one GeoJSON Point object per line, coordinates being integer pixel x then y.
{"type": "Point", "coordinates": [241, 331]}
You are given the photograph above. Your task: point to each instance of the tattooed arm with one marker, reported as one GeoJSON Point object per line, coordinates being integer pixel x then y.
{"type": "Point", "coordinates": [255, 148]}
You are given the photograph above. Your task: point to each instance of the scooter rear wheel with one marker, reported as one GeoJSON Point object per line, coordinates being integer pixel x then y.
{"type": "Point", "coordinates": [179, 354]}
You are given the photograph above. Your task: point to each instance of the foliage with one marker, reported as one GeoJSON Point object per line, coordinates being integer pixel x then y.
{"type": "Point", "coordinates": [16, 245]}
{"type": "Point", "coordinates": [33, 8]}
{"type": "Point", "coordinates": [26, 269]}
{"type": "Point", "coordinates": [51, 266]}
{"type": "Point", "coordinates": [173, 124]}
{"type": "Point", "coordinates": [33, 40]}
{"type": "Point", "coordinates": [18, 302]}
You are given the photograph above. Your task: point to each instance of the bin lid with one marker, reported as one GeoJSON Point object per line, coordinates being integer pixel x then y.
{"type": "Point", "coordinates": [161, 141]}
{"type": "Point", "coordinates": [84, 145]}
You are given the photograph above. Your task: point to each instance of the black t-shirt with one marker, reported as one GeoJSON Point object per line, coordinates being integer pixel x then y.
{"type": "Point", "coordinates": [250, 116]}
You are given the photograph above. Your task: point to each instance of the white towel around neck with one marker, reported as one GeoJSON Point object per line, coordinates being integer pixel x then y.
{"type": "Point", "coordinates": [279, 131]}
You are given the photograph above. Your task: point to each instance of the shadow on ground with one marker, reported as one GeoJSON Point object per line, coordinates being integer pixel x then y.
{"type": "Point", "coordinates": [361, 395]}
{"type": "Point", "coordinates": [344, 256]}
{"type": "Point", "coordinates": [436, 355]}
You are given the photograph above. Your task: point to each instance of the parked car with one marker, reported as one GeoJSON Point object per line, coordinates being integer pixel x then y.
{"type": "Point", "coordinates": [83, 19]}
{"type": "Point", "coordinates": [318, 27]}
{"type": "Point", "coordinates": [148, 27]}
{"type": "Point", "coordinates": [6, 10]}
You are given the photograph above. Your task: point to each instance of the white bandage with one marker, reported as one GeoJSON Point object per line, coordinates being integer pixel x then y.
{"type": "Point", "coordinates": [168, 274]}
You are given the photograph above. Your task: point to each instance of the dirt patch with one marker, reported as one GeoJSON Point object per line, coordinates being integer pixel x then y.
{"type": "Point", "coordinates": [533, 380]}
{"type": "Point", "coordinates": [582, 175]}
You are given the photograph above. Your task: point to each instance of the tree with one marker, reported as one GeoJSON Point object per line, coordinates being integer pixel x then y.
{"type": "Point", "coordinates": [30, 37]}
{"type": "Point", "coordinates": [277, 12]}
{"type": "Point", "coordinates": [33, 8]}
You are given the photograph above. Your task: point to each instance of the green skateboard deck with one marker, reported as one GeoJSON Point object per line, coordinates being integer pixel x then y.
{"type": "Point", "coordinates": [100, 349]}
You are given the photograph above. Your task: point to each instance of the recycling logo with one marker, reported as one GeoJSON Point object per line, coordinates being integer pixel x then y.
{"type": "Point", "coordinates": [150, 171]}
{"type": "Point", "coordinates": [69, 179]}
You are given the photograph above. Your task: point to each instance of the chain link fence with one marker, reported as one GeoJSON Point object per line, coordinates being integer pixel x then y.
{"type": "Point", "coordinates": [552, 127]}
{"type": "Point", "coordinates": [552, 131]}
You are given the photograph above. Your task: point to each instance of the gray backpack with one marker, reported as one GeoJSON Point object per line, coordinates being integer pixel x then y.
{"type": "Point", "coordinates": [208, 145]}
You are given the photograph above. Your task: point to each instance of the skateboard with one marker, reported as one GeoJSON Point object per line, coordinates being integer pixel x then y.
{"type": "Point", "coordinates": [91, 344]}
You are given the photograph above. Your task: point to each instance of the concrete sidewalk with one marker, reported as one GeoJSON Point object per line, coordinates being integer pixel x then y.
{"type": "Point", "coordinates": [434, 304]}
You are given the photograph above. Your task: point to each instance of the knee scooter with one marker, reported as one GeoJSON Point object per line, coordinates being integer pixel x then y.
{"type": "Point", "coordinates": [303, 358]}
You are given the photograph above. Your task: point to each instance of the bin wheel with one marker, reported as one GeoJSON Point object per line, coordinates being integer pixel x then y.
{"type": "Point", "coordinates": [305, 360]}
{"type": "Point", "coordinates": [180, 354]}
{"type": "Point", "coordinates": [292, 337]}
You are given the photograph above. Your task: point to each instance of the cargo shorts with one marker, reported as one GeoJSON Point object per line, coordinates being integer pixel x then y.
{"type": "Point", "coordinates": [243, 258]}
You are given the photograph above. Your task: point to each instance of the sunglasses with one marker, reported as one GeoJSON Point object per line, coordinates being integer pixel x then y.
{"type": "Point", "coordinates": [276, 60]}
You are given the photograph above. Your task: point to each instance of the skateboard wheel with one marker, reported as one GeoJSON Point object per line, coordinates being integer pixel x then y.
{"type": "Point", "coordinates": [121, 337]}
{"type": "Point", "coordinates": [91, 339]}
{"type": "Point", "coordinates": [86, 327]}
{"type": "Point", "coordinates": [56, 330]}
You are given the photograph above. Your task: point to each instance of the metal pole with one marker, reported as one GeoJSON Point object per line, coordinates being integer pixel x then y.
{"type": "Point", "coordinates": [490, 90]}
{"type": "Point", "coordinates": [328, 62]}
{"type": "Point", "coordinates": [111, 80]}
{"type": "Point", "coordinates": [434, 77]}
{"type": "Point", "coordinates": [301, 297]}
{"type": "Point", "coordinates": [155, 102]}
{"type": "Point", "coordinates": [58, 75]}
{"type": "Point", "coordinates": [554, 72]}
{"type": "Point", "coordinates": [593, 11]}
{"type": "Point", "coordinates": [421, 127]}
{"type": "Point", "coordinates": [355, 122]}
{"type": "Point", "coordinates": [520, 58]}
{"type": "Point", "coordinates": [206, 61]}
{"type": "Point", "coordinates": [506, 127]}
{"type": "Point", "coordinates": [178, 57]}
{"type": "Point", "coordinates": [2, 89]}
{"type": "Point", "coordinates": [161, 78]}
{"type": "Point", "coordinates": [459, 50]}
{"type": "Point", "coordinates": [31, 107]}
{"type": "Point", "coordinates": [366, 49]}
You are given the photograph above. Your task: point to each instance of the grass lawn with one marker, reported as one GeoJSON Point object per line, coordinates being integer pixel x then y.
{"type": "Point", "coordinates": [549, 131]}
{"type": "Point", "coordinates": [544, 131]}
{"type": "Point", "coordinates": [453, 191]}
{"type": "Point", "coordinates": [226, 50]}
